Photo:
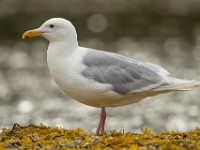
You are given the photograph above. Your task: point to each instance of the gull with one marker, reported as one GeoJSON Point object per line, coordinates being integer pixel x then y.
{"type": "Point", "coordinates": [98, 78]}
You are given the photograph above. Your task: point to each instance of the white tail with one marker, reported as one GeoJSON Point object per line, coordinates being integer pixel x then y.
{"type": "Point", "coordinates": [175, 84]}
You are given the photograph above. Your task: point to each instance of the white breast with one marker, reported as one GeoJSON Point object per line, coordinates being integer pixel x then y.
{"type": "Point", "coordinates": [66, 69]}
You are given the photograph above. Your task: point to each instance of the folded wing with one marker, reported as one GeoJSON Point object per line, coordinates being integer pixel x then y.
{"type": "Point", "coordinates": [124, 74]}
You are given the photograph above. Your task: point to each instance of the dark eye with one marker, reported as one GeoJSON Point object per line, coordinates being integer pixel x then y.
{"type": "Point", "coordinates": [51, 26]}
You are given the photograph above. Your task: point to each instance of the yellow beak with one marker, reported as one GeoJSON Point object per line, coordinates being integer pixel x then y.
{"type": "Point", "coordinates": [31, 33]}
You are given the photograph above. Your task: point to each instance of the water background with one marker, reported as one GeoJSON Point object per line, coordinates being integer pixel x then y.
{"type": "Point", "coordinates": [166, 33]}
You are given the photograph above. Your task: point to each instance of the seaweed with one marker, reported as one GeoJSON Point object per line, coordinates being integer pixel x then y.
{"type": "Point", "coordinates": [56, 138]}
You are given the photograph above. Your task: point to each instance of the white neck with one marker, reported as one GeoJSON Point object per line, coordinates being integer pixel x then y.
{"type": "Point", "coordinates": [62, 48]}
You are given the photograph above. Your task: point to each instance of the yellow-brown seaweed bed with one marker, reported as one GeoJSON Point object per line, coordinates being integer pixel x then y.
{"type": "Point", "coordinates": [54, 138]}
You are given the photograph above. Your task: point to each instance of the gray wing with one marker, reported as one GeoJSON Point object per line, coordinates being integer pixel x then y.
{"type": "Point", "coordinates": [124, 74]}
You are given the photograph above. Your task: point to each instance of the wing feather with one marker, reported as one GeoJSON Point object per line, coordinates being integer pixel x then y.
{"type": "Point", "coordinates": [124, 74]}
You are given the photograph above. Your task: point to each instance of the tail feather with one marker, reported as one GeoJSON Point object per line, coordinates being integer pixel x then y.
{"type": "Point", "coordinates": [175, 84]}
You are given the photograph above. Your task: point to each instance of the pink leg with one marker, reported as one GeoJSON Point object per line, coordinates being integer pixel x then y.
{"type": "Point", "coordinates": [102, 120]}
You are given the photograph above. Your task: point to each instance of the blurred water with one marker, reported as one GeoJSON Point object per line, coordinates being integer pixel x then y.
{"type": "Point", "coordinates": [29, 95]}
{"type": "Point", "coordinates": [165, 34]}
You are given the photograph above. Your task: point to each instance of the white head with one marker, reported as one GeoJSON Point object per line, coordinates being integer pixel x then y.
{"type": "Point", "coordinates": [54, 30]}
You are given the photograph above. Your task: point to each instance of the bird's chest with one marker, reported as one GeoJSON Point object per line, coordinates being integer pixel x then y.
{"type": "Point", "coordinates": [66, 71]}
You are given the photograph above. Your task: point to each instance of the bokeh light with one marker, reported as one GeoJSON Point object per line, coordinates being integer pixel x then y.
{"type": "Point", "coordinates": [166, 33]}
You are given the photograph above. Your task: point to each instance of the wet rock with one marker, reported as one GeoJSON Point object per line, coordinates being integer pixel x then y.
{"type": "Point", "coordinates": [34, 137]}
{"type": "Point", "coordinates": [38, 144]}
{"type": "Point", "coordinates": [12, 144]}
{"type": "Point", "coordinates": [71, 144]}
